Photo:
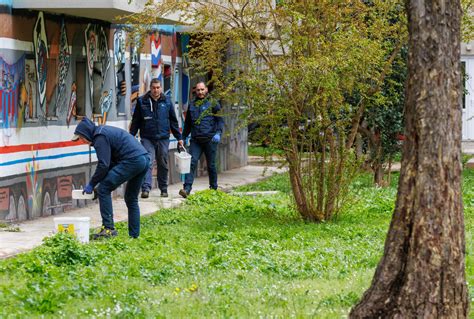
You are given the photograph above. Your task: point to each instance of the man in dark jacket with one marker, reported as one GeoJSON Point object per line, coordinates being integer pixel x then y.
{"type": "Point", "coordinates": [120, 159]}
{"type": "Point", "coordinates": [205, 124]}
{"type": "Point", "coordinates": [154, 116]}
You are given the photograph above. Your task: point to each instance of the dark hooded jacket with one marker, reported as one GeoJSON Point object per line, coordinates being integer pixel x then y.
{"type": "Point", "coordinates": [154, 119]}
{"type": "Point", "coordinates": [111, 144]}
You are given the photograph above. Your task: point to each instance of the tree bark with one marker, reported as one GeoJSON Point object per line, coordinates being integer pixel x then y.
{"type": "Point", "coordinates": [422, 272]}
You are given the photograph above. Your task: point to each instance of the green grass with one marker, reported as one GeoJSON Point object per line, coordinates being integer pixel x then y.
{"type": "Point", "coordinates": [215, 256]}
{"type": "Point", "coordinates": [263, 151]}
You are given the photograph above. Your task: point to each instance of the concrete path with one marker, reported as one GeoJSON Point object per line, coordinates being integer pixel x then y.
{"type": "Point", "coordinates": [32, 232]}
{"type": "Point", "coordinates": [467, 147]}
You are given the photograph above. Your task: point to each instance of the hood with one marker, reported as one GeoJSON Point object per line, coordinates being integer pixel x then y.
{"type": "Point", "coordinates": [86, 128]}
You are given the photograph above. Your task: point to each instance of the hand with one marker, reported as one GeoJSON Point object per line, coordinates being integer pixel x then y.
{"type": "Point", "coordinates": [181, 146]}
{"type": "Point", "coordinates": [88, 189]}
{"type": "Point", "coordinates": [216, 138]}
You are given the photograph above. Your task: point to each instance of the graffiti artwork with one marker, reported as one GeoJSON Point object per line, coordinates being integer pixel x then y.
{"type": "Point", "coordinates": [32, 183]}
{"type": "Point", "coordinates": [4, 196]}
{"type": "Point", "coordinates": [185, 80]}
{"type": "Point", "coordinates": [119, 55]}
{"type": "Point", "coordinates": [22, 105]}
{"type": "Point", "coordinates": [41, 55]}
{"type": "Point", "coordinates": [135, 74]}
{"type": "Point", "coordinates": [103, 55]}
{"type": "Point", "coordinates": [63, 65]}
{"type": "Point", "coordinates": [155, 42]}
{"type": "Point", "coordinates": [91, 53]}
{"type": "Point", "coordinates": [12, 77]}
{"type": "Point", "coordinates": [174, 48]}
{"type": "Point", "coordinates": [145, 76]}
{"type": "Point", "coordinates": [30, 86]}
{"type": "Point", "coordinates": [64, 185]}
{"type": "Point", "coordinates": [71, 111]}
{"type": "Point", "coordinates": [105, 105]}
{"type": "Point", "coordinates": [98, 60]}
{"type": "Point", "coordinates": [8, 214]}
{"type": "Point", "coordinates": [119, 50]}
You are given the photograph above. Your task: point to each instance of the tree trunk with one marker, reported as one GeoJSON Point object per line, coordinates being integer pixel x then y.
{"type": "Point", "coordinates": [377, 164]}
{"type": "Point", "coordinates": [421, 274]}
{"type": "Point", "coordinates": [377, 167]}
{"type": "Point", "coordinates": [389, 171]}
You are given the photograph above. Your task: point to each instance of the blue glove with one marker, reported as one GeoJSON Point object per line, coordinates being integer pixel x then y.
{"type": "Point", "coordinates": [217, 138]}
{"type": "Point", "coordinates": [88, 189]}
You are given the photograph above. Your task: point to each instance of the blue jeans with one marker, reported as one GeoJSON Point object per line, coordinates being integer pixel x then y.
{"type": "Point", "coordinates": [196, 149]}
{"type": "Point", "coordinates": [158, 150]}
{"type": "Point", "coordinates": [132, 170]}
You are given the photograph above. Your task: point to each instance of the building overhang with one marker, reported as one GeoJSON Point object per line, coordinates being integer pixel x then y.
{"type": "Point", "coordinates": [106, 10]}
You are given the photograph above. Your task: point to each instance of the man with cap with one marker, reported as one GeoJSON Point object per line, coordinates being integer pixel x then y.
{"type": "Point", "coordinates": [121, 158]}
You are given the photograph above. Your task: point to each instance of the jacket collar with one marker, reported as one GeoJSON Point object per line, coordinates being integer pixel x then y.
{"type": "Point", "coordinates": [162, 97]}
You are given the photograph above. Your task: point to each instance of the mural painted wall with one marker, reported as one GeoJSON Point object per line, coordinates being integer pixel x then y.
{"type": "Point", "coordinates": [119, 67]}
{"type": "Point", "coordinates": [45, 89]}
{"type": "Point", "coordinates": [64, 62]}
{"type": "Point", "coordinates": [54, 71]}
{"type": "Point", "coordinates": [40, 43]}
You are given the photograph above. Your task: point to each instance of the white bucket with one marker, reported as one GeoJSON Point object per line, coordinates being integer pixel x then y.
{"type": "Point", "coordinates": [183, 162]}
{"type": "Point", "coordinates": [78, 194]}
{"type": "Point", "coordinates": [75, 225]}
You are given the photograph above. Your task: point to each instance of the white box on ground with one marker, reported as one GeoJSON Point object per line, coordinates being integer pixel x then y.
{"type": "Point", "coordinates": [78, 194]}
{"type": "Point", "coordinates": [183, 162]}
{"type": "Point", "coordinates": [74, 225]}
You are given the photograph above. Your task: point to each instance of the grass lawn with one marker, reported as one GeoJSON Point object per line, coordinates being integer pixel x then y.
{"type": "Point", "coordinates": [215, 256]}
{"type": "Point", "coordinates": [254, 150]}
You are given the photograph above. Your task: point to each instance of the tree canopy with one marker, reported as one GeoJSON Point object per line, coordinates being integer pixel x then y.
{"type": "Point", "coordinates": [294, 66]}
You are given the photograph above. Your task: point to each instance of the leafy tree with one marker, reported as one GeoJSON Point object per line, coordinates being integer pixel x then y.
{"type": "Point", "coordinates": [382, 124]}
{"type": "Point", "coordinates": [293, 65]}
{"type": "Point", "coordinates": [467, 23]}
{"type": "Point", "coordinates": [422, 271]}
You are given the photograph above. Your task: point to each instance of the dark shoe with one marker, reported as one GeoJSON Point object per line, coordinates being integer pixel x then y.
{"type": "Point", "coordinates": [164, 194]}
{"type": "Point", "coordinates": [145, 194]}
{"type": "Point", "coordinates": [184, 193]}
{"type": "Point", "coordinates": [105, 233]}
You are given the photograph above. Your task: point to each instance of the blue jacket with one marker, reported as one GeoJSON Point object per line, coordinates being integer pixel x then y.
{"type": "Point", "coordinates": [203, 120]}
{"type": "Point", "coordinates": [154, 119]}
{"type": "Point", "coordinates": [111, 144]}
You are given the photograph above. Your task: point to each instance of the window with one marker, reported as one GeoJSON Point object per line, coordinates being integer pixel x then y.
{"type": "Point", "coordinates": [464, 78]}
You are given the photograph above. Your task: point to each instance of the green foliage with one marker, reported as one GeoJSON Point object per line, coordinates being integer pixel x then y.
{"type": "Point", "coordinates": [263, 151]}
{"type": "Point", "coordinates": [278, 182]}
{"type": "Point", "coordinates": [292, 67]}
{"type": "Point", "coordinates": [64, 249]}
{"type": "Point", "coordinates": [384, 115]}
{"type": "Point", "coordinates": [467, 25]}
{"type": "Point", "coordinates": [468, 199]}
{"type": "Point", "coordinates": [465, 158]}
{"type": "Point", "coordinates": [216, 256]}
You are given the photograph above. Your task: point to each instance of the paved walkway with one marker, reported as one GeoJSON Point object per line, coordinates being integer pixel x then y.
{"type": "Point", "coordinates": [32, 232]}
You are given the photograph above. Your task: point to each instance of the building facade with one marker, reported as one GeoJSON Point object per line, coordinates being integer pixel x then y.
{"type": "Point", "coordinates": [467, 99]}
{"type": "Point", "coordinates": [61, 61]}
